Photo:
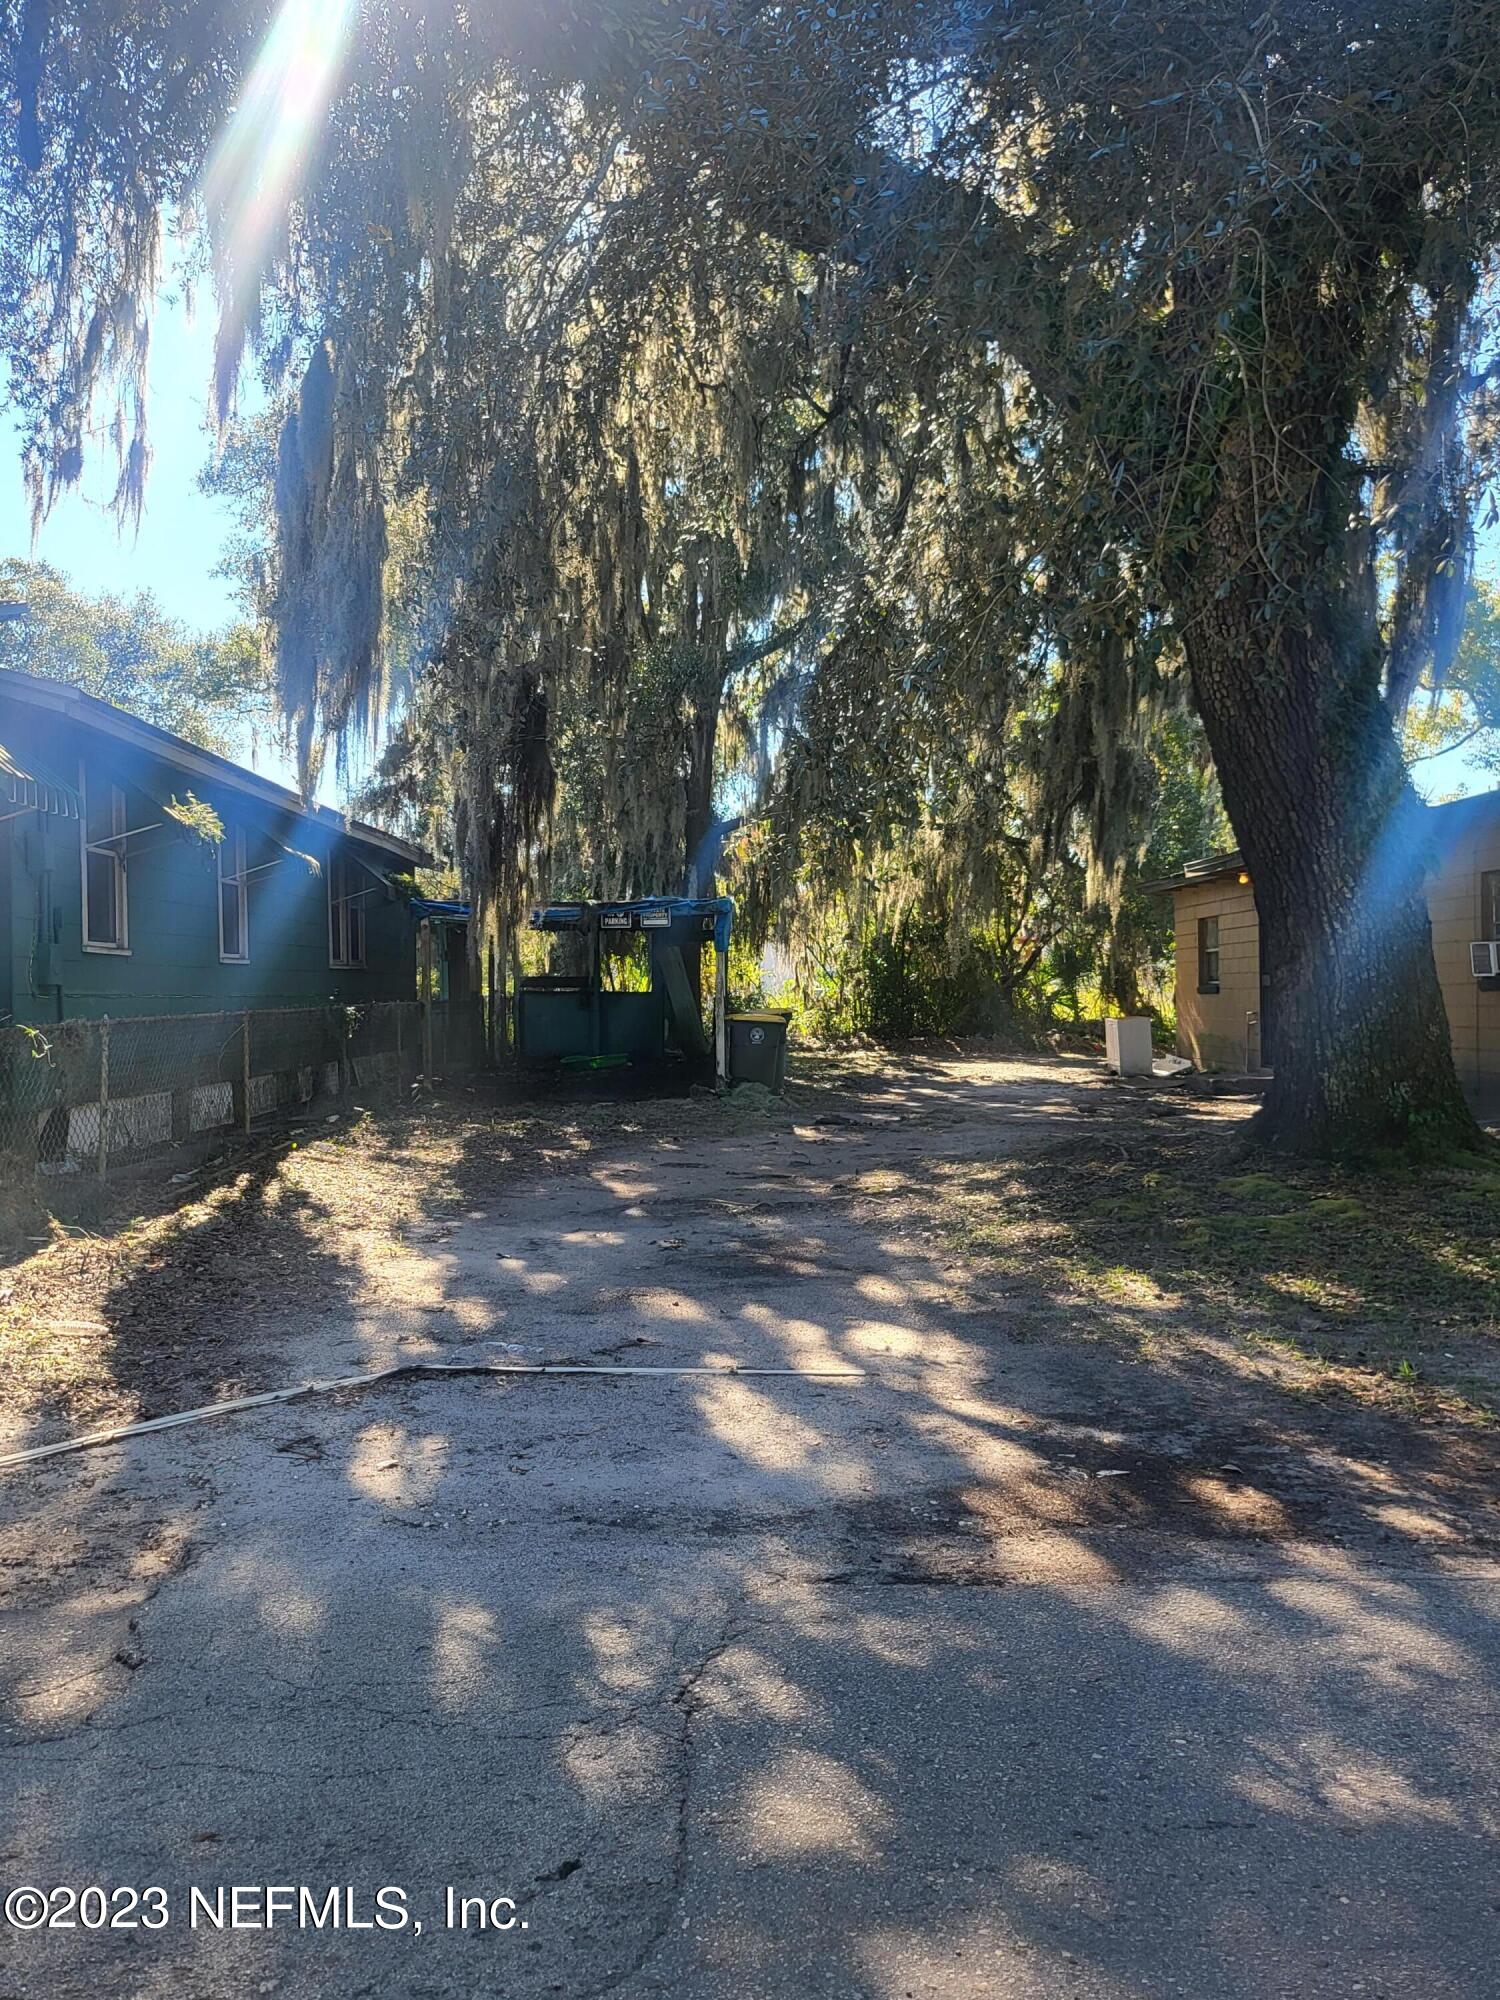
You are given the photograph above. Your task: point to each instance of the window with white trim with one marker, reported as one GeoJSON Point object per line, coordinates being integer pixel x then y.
{"type": "Point", "coordinates": [346, 912]}
{"type": "Point", "coordinates": [105, 907]}
{"type": "Point", "coordinates": [234, 902]}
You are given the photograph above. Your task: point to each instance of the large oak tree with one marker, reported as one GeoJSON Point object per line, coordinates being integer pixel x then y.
{"type": "Point", "coordinates": [1231, 253]}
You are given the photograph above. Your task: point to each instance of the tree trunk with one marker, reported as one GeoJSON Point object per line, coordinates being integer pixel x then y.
{"type": "Point", "coordinates": [1332, 836]}
{"type": "Point", "coordinates": [1121, 984]}
{"type": "Point", "coordinates": [698, 817]}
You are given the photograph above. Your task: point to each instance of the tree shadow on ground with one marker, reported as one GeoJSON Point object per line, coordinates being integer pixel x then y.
{"type": "Point", "coordinates": [1178, 1238]}
{"type": "Point", "coordinates": [155, 1318]}
{"type": "Point", "coordinates": [1018, 1665]}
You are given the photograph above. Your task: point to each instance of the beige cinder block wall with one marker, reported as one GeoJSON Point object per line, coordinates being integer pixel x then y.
{"type": "Point", "coordinates": [1468, 847]}
{"type": "Point", "coordinates": [1211, 1026]}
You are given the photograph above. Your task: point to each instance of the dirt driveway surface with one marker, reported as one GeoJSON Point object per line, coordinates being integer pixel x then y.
{"type": "Point", "coordinates": [1017, 1666]}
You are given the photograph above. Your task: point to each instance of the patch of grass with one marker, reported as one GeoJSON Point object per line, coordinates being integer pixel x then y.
{"type": "Point", "coordinates": [1342, 1207]}
{"type": "Point", "coordinates": [1390, 1276]}
{"type": "Point", "coordinates": [1254, 1187]}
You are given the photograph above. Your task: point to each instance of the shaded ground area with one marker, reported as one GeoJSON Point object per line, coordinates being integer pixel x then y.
{"type": "Point", "coordinates": [179, 1288]}
{"type": "Point", "coordinates": [1045, 1660]}
{"type": "Point", "coordinates": [1147, 1222]}
{"type": "Point", "coordinates": [1171, 1238]}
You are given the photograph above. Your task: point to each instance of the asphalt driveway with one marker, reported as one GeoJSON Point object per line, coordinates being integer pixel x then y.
{"type": "Point", "coordinates": [1011, 1667]}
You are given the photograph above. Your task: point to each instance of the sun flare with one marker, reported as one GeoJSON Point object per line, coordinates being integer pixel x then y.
{"type": "Point", "coordinates": [263, 152]}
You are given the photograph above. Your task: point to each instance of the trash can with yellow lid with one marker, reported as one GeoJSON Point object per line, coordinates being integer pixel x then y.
{"type": "Point", "coordinates": [757, 1048]}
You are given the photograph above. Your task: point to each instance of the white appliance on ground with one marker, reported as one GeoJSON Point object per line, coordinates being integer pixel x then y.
{"type": "Point", "coordinates": [1127, 1046]}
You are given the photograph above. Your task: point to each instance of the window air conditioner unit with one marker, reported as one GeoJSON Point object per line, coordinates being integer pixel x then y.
{"type": "Point", "coordinates": [1484, 959]}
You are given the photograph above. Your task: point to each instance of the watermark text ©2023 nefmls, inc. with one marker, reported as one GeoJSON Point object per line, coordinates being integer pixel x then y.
{"type": "Point", "coordinates": [249, 1906]}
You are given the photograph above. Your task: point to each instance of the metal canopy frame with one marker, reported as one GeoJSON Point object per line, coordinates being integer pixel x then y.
{"type": "Point", "coordinates": [35, 790]}
{"type": "Point", "coordinates": [715, 916]}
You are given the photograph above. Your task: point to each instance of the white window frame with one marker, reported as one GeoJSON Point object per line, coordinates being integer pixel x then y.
{"type": "Point", "coordinates": [341, 871]}
{"type": "Point", "coordinates": [232, 847]}
{"type": "Point", "coordinates": [113, 850]}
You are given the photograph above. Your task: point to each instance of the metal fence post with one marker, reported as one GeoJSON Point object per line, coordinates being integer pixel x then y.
{"type": "Point", "coordinates": [513, 999]}
{"type": "Point", "coordinates": [503, 985]}
{"type": "Point", "coordinates": [103, 1159]}
{"type": "Point", "coordinates": [427, 1000]}
{"type": "Point", "coordinates": [492, 1021]}
{"type": "Point", "coordinates": [721, 1017]}
{"type": "Point", "coordinates": [245, 1071]}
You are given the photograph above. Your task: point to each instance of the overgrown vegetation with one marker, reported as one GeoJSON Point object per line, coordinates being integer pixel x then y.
{"type": "Point", "coordinates": [858, 436]}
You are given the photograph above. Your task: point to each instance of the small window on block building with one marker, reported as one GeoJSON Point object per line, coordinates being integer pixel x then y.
{"type": "Point", "coordinates": [1208, 954]}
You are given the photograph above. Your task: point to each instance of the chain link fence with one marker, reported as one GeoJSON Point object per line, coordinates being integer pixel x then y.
{"type": "Point", "coordinates": [79, 1096]}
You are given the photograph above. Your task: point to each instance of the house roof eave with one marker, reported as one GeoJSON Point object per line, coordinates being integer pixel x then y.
{"type": "Point", "coordinates": [1209, 869]}
{"type": "Point", "coordinates": [1455, 813]}
{"type": "Point", "coordinates": [1448, 821]}
{"type": "Point", "coordinates": [61, 698]}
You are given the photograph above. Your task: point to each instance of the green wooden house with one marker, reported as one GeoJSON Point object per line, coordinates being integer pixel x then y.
{"type": "Point", "coordinates": [113, 902]}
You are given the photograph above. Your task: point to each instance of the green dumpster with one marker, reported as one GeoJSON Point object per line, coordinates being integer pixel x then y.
{"type": "Point", "coordinates": [757, 1049]}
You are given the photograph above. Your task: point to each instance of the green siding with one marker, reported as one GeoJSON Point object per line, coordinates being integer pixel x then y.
{"type": "Point", "coordinates": [173, 963]}
{"type": "Point", "coordinates": [6, 948]}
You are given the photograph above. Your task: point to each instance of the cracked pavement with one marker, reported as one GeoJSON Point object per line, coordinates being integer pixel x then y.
{"type": "Point", "coordinates": [1019, 1668]}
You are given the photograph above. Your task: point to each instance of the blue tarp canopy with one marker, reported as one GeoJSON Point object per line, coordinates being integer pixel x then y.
{"type": "Point", "coordinates": [647, 913]}
{"type": "Point", "coordinates": [451, 913]}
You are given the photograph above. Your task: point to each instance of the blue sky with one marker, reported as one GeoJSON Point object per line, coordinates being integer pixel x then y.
{"type": "Point", "coordinates": [183, 531]}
